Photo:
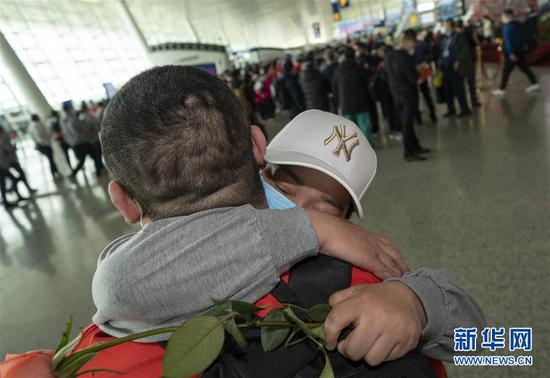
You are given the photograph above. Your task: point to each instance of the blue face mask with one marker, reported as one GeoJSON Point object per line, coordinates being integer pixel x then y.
{"type": "Point", "coordinates": [275, 199]}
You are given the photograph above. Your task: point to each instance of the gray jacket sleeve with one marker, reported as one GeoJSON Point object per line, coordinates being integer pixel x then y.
{"type": "Point", "coordinates": [447, 306]}
{"type": "Point", "coordinates": [169, 271]}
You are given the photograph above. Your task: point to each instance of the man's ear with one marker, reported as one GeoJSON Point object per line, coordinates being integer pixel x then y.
{"type": "Point", "coordinates": [124, 203]}
{"type": "Point", "coordinates": [258, 145]}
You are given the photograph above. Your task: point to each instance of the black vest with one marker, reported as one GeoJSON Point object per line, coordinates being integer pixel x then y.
{"type": "Point", "coordinates": [311, 282]}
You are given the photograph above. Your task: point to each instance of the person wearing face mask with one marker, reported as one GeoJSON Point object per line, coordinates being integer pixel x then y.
{"type": "Point", "coordinates": [403, 78]}
{"type": "Point", "coordinates": [320, 172]}
{"type": "Point", "coordinates": [320, 161]}
{"type": "Point", "coordinates": [184, 162]}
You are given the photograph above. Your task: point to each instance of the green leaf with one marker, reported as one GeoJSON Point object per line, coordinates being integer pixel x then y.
{"type": "Point", "coordinates": [66, 334]}
{"type": "Point", "coordinates": [193, 347]}
{"type": "Point", "coordinates": [220, 309]}
{"type": "Point", "coordinates": [68, 348]}
{"type": "Point", "coordinates": [273, 337]}
{"type": "Point", "coordinates": [327, 370]}
{"type": "Point", "coordinates": [318, 313]}
{"type": "Point", "coordinates": [303, 327]}
{"type": "Point", "coordinates": [320, 332]}
{"type": "Point", "coordinates": [241, 307]}
{"type": "Point", "coordinates": [70, 370]}
{"type": "Point", "coordinates": [231, 327]}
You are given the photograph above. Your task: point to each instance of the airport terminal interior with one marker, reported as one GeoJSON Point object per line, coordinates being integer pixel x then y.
{"type": "Point", "coordinates": [475, 202]}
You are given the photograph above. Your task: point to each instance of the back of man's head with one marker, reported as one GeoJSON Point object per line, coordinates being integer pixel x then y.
{"type": "Point", "coordinates": [177, 140]}
{"type": "Point", "coordinates": [349, 53]}
{"type": "Point", "coordinates": [409, 35]}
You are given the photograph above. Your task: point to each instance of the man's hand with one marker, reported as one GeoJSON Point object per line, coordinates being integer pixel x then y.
{"type": "Point", "coordinates": [347, 241]}
{"type": "Point", "coordinates": [513, 57]}
{"type": "Point", "coordinates": [388, 320]}
{"type": "Point", "coordinates": [456, 65]}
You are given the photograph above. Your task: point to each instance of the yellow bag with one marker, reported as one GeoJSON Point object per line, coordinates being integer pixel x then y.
{"type": "Point", "coordinates": [438, 80]}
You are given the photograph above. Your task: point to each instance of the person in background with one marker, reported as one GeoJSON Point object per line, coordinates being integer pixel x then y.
{"type": "Point", "coordinates": [433, 45]}
{"type": "Point", "coordinates": [466, 50]}
{"type": "Point", "coordinates": [9, 160]}
{"type": "Point", "coordinates": [403, 79]}
{"type": "Point", "coordinates": [350, 88]}
{"type": "Point", "coordinates": [380, 91]}
{"type": "Point", "coordinates": [80, 132]}
{"type": "Point", "coordinates": [487, 27]}
{"type": "Point", "coordinates": [84, 107]}
{"type": "Point", "coordinates": [328, 70]}
{"type": "Point", "coordinates": [366, 61]}
{"type": "Point", "coordinates": [291, 92]}
{"type": "Point", "coordinates": [239, 87]}
{"type": "Point", "coordinates": [315, 86]}
{"type": "Point", "coordinates": [41, 136]}
{"type": "Point", "coordinates": [263, 99]}
{"type": "Point", "coordinates": [99, 109]}
{"type": "Point", "coordinates": [455, 64]}
{"type": "Point", "coordinates": [55, 126]}
{"type": "Point", "coordinates": [514, 54]}
{"type": "Point", "coordinates": [422, 57]}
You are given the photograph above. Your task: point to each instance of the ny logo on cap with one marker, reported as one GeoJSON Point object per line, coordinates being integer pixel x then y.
{"type": "Point", "coordinates": [340, 133]}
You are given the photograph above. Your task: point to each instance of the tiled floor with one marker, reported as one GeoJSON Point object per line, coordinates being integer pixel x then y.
{"type": "Point", "coordinates": [479, 207]}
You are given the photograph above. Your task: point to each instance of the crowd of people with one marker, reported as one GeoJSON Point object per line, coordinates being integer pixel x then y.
{"type": "Point", "coordinates": [75, 130]}
{"type": "Point", "coordinates": [190, 166]}
{"type": "Point", "coordinates": [352, 78]}
{"type": "Point", "coordinates": [366, 80]}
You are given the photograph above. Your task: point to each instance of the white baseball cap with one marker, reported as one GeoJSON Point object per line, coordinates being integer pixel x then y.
{"type": "Point", "coordinates": [328, 143]}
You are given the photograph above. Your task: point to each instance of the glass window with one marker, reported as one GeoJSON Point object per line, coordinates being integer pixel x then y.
{"type": "Point", "coordinates": [72, 47]}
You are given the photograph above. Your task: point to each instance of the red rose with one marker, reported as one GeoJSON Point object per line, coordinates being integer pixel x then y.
{"type": "Point", "coordinates": [36, 364]}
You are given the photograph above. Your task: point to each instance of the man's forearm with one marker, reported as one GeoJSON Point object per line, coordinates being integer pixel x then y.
{"type": "Point", "coordinates": [447, 306]}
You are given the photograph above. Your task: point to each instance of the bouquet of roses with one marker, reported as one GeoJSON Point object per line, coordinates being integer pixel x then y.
{"type": "Point", "coordinates": [192, 347]}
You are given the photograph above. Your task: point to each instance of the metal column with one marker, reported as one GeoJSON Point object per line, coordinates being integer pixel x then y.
{"type": "Point", "coordinates": [23, 81]}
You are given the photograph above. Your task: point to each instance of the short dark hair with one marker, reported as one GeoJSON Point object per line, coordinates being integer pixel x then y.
{"type": "Point", "coordinates": [409, 34]}
{"type": "Point", "coordinates": [35, 117]}
{"type": "Point", "coordinates": [509, 12]}
{"type": "Point", "coordinates": [451, 22]}
{"type": "Point", "coordinates": [177, 140]}
{"type": "Point", "coordinates": [349, 53]}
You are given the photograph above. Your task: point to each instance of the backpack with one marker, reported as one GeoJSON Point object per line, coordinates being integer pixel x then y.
{"type": "Point", "coordinates": [307, 286]}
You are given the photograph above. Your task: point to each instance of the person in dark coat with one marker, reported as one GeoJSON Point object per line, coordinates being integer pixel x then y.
{"type": "Point", "coordinates": [466, 45]}
{"type": "Point", "coordinates": [380, 91]}
{"type": "Point", "coordinates": [455, 64]}
{"type": "Point", "coordinates": [350, 87]}
{"type": "Point", "coordinates": [368, 63]}
{"type": "Point", "coordinates": [403, 78]}
{"type": "Point", "coordinates": [293, 97]}
{"type": "Point", "coordinates": [328, 71]}
{"type": "Point", "coordinates": [315, 87]}
{"type": "Point", "coordinates": [422, 56]}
